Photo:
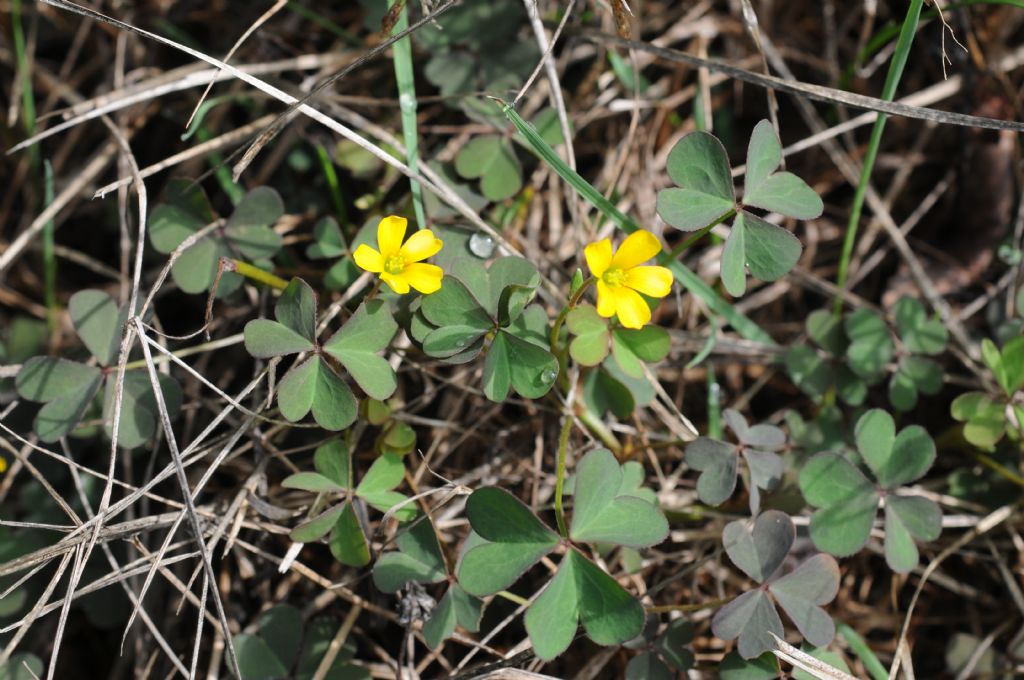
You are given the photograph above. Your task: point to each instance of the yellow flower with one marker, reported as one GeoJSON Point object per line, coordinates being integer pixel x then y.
{"type": "Point", "coordinates": [621, 279]}
{"type": "Point", "coordinates": [400, 264]}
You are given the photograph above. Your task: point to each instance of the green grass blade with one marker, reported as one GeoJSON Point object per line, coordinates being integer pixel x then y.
{"type": "Point", "coordinates": [402, 51]}
{"type": "Point", "coordinates": [331, 175]}
{"type": "Point", "coordinates": [892, 79]}
{"type": "Point", "coordinates": [861, 650]}
{"type": "Point", "coordinates": [693, 283]}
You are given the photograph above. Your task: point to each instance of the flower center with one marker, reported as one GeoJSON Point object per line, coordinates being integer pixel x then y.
{"type": "Point", "coordinates": [394, 265]}
{"type": "Point", "coordinates": [614, 277]}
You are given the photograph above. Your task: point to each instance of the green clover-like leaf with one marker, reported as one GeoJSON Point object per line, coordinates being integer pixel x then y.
{"type": "Point", "coordinates": [99, 323]}
{"type": "Point", "coordinates": [671, 644]}
{"type": "Point", "coordinates": [735, 667]}
{"type": "Point", "coordinates": [280, 648]}
{"type": "Point", "coordinates": [492, 160]}
{"type": "Point", "coordinates": [347, 541]}
{"type": "Point", "coordinates": [65, 388]}
{"type": "Point", "coordinates": [871, 347]}
{"type": "Point", "coordinates": [357, 344]}
{"type": "Point", "coordinates": [803, 591]}
{"type": "Point", "coordinates": [909, 518]}
{"type": "Point", "coordinates": [604, 392]}
{"type": "Point", "coordinates": [849, 501]}
{"type": "Point", "coordinates": [718, 461]}
{"type": "Point", "coordinates": [589, 347]}
{"type": "Point", "coordinates": [781, 192]}
{"type": "Point", "coordinates": [581, 593]}
{"type": "Point", "coordinates": [633, 347]}
{"type": "Point", "coordinates": [328, 241]}
{"type": "Point", "coordinates": [418, 559]}
{"type": "Point", "coordinates": [139, 411]}
{"type": "Point", "coordinates": [22, 666]}
{"type": "Point", "coordinates": [295, 328]}
{"type": "Point", "coordinates": [602, 514]}
{"type": "Point", "coordinates": [515, 363]}
{"type": "Point", "coordinates": [759, 547]}
{"type": "Point", "coordinates": [919, 334]}
{"type": "Point", "coordinates": [378, 484]}
{"type": "Point", "coordinates": [514, 541]}
{"type": "Point", "coordinates": [699, 166]}
{"type": "Point", "coordinates": [318, 639]}
{"type": "Point", "coordinates": [647, 666]}
{"type": "Point", "coordinates": [457, 607]}
{"type": "Point", "coordinates": [984, 418]}
{"type": "Point", "coordinates": [247, 233]}
{"type": "Point", "coordinates": [317, 527]}
{"type": "Point", "coordinates": [769, 251]}
{"type": "Point", "coordinates": [314, 386]}
{"type": "Point", "coordinates": [751, 617]}
{"type": "Point", "coordinates": [915, 375]}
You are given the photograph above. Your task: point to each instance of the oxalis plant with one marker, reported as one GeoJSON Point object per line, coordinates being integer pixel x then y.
{"type": "Point", "coordinates": [589, 353]}
{"type": "Point", "coordinates": [508, 538]}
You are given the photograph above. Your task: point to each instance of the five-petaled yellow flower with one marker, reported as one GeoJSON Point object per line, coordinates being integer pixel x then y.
{"type": "Point", "coordinates": [400, 264]}
{"type": "Point", "coordinates": [621, 279]}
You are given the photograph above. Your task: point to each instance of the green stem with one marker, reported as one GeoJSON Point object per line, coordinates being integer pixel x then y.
{"type": "Point", "coordinates": [892, 79]}
{"type": "Point", "coordinates": [998, 468]}
{"type": "Point", "coordinates": [402, 54]}
{"type": "Point", "coordinates": [563, 448]}
{"type": "Point", "coordinates": [256, 274]}
{"type": "Point", "coordinates": [512, 597]}
{"type": "Point", "coordinates": [599, 430]}
{"type": "Point", "coordinates": [675, 252]}
{"type": "Point", "coordinates": [556, 327]}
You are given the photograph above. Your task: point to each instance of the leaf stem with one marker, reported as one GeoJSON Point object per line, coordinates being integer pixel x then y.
{"type": "Point", "coordinates": [563, 448]}
{"type": "Point", "coordinates": [599, 430]}
{"type": "Point", "coordinates": [998, 468]}
{"type": "Point", "coordinates": [675, 252]}
{"type": "Point", "coordinates": [512, 597]}
{"type": "Point", "coordinates": [254, 273]}
{"type": "Point", "coordinates": [556, 327]}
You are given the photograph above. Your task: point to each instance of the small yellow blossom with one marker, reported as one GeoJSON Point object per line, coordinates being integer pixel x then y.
{"type": "Point", "coordinates": [400, 264]}
{"type": "Point", "coordinates": [621, 279]}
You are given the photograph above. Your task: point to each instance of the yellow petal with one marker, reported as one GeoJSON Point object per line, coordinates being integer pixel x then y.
{"type": "Point", "coordinates": [396, 283]}
{"type": "Point", "coordinates": [605, 300]}
{"type": "Point", "coordinates": [653, 281]}
{"type": "Point", "coordinates": [599, 257]}
{"type": "Point", "coordinates": [420, 246]}
{"type": "Point", "coordinates": [632, 309]}
{"type": "Point", "coordinates": [390, 233]}
{"type": "Point", "coordinates": [638, 247]}
{"type": "Point", "coordinates": [426, 278]}
{"type": "Point", "coordinates": [369, 259]}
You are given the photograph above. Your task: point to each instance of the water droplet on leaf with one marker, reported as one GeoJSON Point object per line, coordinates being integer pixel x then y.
{"type": "Point", "coordinates": [481, 245]}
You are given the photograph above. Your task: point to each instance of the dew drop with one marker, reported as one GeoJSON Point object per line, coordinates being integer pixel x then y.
{"type": "Point", "coordinates": [481, 245]}
{"type": "Point", "coordinates": [548, 376]}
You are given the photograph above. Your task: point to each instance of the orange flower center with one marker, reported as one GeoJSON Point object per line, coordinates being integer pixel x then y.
{"type": "Point", "coordinates": [394, 265]}
{"type": "Point", "coordinates": [614, 277]}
